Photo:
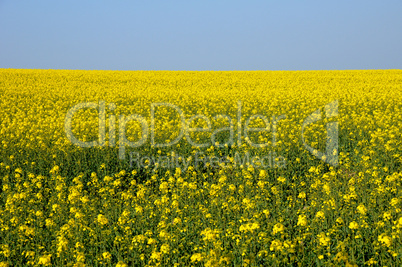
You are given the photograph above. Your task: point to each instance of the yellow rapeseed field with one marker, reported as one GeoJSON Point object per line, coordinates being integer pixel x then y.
{"type": "Point", "coordinates": [203, 168]}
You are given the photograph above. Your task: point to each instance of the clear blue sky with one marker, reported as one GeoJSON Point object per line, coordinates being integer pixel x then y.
{"type": "Point", "coordinates": [201, 35]}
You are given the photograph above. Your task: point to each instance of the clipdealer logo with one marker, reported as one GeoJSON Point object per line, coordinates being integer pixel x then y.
{"type": "Point", "coordinates": [330, 156]}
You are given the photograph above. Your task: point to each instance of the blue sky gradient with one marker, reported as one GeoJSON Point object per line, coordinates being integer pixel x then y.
{"type": "Point", "coordinates": [201, 35]}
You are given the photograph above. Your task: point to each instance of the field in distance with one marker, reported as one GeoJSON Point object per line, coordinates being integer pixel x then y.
{"type": "Point", "coordinates": [201, 168]}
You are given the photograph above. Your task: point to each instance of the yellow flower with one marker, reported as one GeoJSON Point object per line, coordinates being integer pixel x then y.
{"type": "Point", "coordinates": [248, 203]}
{"type": "Point", "coordinates": [387, 215]}
{"type": "Point", "coordinates": [362, 209]}
{"type": "Point", "coordinates": [250, 227]}
{"type": "Point", "coordinates": [276, 245]}
{"type": "Point", "coordinates": [281, 179]}
{"type": "Point", "coordinates": [324, 239]}
{"type": "Point", "coordinates": [302, 220]}
{"type": "Point", "coordinates": [278, 228]}
{"type": "Point", "coordinates": [266, 212]}
{"type": "Point", "coordinates": [151, 241]}
{"type": "Point", "coordinates": [210, 234]}
{"type": "Point", "coordinates": [353, 225]}
{"type": "Point", "coordinates": [232, 187]}
{"type": "Point", "coordinates": [371, 262]}
{"type": "Point", "coordinates": [39, 213]}
{"type": "Point", "coordinates": [385, 240]}
{"type": "Point", "coordinates": [106, 255]}
{"type": "Point", "coordinates": [156, 256]}
{"type": "Point", "coordinates": [45, 260]}
{"type": "Point", "coordinates": [196, 257]}
{"type": "Point", "coordinates": [49, 222]}
{"type": "Point", "coordinates": [55, 170]}
{"type": "Point", "coordinates": [302, 195]}
{"type": "Point", "coordinates": [138, 209]}
{"type": "Point", "coordinates": [165, 248]}
{"type": "Point", "coordinates": [320, 215]}
{"type": "Point", "coordinates": [399, 223]}
{"type": "Point", "coordinates": [121, 264]}
{"type": "Point", "coordinates": [102, 219]}
{"type": "Point", "coordinates": [163, 187]}
{"type": "Point", "coordinates": [326, 188]}
{"type": "Point", "coordinates": [30, 254]}
{"type": "Point", "coordinates": [176, 221]}
{"type": "Point", "coordinates": [394, 202]}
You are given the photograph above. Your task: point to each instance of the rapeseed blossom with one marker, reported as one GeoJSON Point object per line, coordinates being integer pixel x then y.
{"type": "Point", "coordinates": [182, 205]}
